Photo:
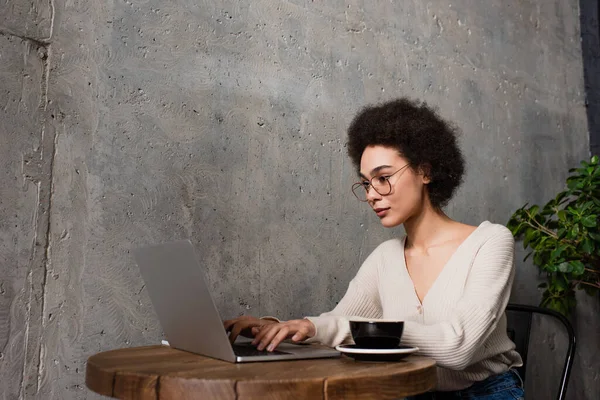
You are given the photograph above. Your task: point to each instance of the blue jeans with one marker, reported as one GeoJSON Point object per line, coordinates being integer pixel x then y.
{"type": "Point", "coordinates": [505, 386]}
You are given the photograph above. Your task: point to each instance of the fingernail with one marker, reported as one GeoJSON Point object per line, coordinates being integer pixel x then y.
{"type": "Point", "coordinates": [270, 348]}
{"type": "Point", "coordinates": [260, 347]}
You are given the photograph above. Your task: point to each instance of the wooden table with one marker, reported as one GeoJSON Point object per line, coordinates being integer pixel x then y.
{"type": "Point", "coordinates": [160, 372]}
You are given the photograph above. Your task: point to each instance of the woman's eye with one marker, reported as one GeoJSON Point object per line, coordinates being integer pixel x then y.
{"type": "Point", "coordinates": [382, 179]}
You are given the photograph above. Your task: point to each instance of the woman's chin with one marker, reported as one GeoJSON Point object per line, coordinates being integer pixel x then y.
{"type": "Point", "coordinates": [390, 221]}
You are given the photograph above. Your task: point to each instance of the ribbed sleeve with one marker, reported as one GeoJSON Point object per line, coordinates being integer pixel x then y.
{"type": "Point", "coordinates": [361, 301]}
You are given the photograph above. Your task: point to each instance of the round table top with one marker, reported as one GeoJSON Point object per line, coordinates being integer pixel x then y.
{"type": "Point", "coordinates": [154, 372]}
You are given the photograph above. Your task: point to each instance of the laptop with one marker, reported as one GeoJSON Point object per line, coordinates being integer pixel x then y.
{"type": "Point", "coordinates": [188, 315]}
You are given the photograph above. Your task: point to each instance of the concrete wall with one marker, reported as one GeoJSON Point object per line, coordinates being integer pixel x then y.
{"type": "Point", "coordinates": [132, 122]}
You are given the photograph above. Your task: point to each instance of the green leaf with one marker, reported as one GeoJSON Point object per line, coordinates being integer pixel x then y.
{"type": "Point", "coordinates": [587, 205]}
{"type": "Point", "coordinates": [565, 267]}
{"type": "Point", "coordinates": [516, 226]}
{"type": "Point", "coordinates": [540, 261]}
{"type": "Point", "coordinates": [577, 267]}
{"type": "Point", "coordinates": [595, 236]}
{"type": "Point", "coordinates": [548, 209]}
{"type": "Point", "coordinates": [555, 304]}
{"type": "Point", "coordinates": [575, 231]}
{"type": "Point", "coordinates": [529, 235]}
{"type": "Point", "coordinates": [587, 246]}
{"type": "Point", "coordinates": [563, 306]}
{"type": "Point", "coordinates": [589, 221]}
{"type": "Point", "coordinates": [550, 267]}
{"type": "Point", "coordinates": [557, 251]}
{"type": "Point", "coordinates": [572, 210]}
{"type": "Point", "coordinates": [562, 215]}
{"type": "Point", "coordinates": [561, 283]}
{"type": "Point", "coordinates": [594, 160]}
{"type": "Point", "coordinates": [533, 210]}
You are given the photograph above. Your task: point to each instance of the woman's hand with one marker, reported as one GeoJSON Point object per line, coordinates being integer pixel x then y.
{"type": "Point", "coordinates": [244, 326]}
{"type": "Point", "coordinates": [269, 336]}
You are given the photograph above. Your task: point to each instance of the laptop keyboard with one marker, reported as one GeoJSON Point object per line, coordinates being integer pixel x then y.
{"type": "Point", "coordinates": [246, 350]}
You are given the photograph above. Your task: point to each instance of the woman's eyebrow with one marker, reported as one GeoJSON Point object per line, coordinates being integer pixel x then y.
{"type": "Point", "coordinates": [375, 170]}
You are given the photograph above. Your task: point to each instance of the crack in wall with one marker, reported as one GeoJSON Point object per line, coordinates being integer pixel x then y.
{"type": "Point", "coordinates": [38, 42]}
{"type": "Point", "coordinates": [47, 244]}
{"type": "Point", "coordinates": [52, 14]}
{"type": "Point", "coordinates": [46, 259]}
{"type": "Point", "coordinates": [43, 179]}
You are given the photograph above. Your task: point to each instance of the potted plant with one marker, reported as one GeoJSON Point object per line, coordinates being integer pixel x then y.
{"type": "Point", "coordinates": [564, 238]}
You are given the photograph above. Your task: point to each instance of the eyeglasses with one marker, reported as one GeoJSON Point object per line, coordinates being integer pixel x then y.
{"type": "Point", "coordinates": [380, 183]}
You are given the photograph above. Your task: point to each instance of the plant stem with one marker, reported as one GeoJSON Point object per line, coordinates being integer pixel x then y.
{"type": "Point", "coordinates": [548, 231]}
{"type": "Point", "coordinates": [541, 227]}
{"type": "Point", "coordinates": [587, 283]}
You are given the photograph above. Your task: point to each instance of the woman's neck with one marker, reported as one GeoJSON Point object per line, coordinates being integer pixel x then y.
{"type": "Point", "coordinates": [427, 228]}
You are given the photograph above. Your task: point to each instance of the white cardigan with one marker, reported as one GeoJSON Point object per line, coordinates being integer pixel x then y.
{"type": "Point", "coordinates": [460, 324]}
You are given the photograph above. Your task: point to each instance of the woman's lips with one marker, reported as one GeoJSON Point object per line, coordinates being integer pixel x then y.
{"type": "Point", "coordinates": [381, 212]}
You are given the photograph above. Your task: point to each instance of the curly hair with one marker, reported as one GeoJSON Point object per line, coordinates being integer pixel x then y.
{"type": "Point", "coordinates": [420, 135]}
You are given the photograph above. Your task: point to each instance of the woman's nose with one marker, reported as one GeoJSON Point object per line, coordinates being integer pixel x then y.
{"type": "Point", "coordinates": [372, 194]}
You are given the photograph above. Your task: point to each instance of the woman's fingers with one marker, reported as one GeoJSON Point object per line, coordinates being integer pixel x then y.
{"type": "Point", "coordinates": [302, 330]}
{"type": "Point", "coordinates": [269, 335]}
{"type": "Point", "coordinates": [301, 334]}
{"type": "Point", "coordinates": [230, 322]}
{"type": "Point", "coordinates": [262, 330]}
{"type": "Point", "coordinates": [240, 326]}
{"type": "Point", "coordinates": [246, 326]}
{"type": "Point", "coordinates": [279, 337]}
{"type": "Point", "coordinates": [236, 329]}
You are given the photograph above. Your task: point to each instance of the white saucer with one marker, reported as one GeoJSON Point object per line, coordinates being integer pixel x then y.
{"type": "Point", "coordinates": [361, 354]}
{"type": "Point", "coordinates": [351, 348]}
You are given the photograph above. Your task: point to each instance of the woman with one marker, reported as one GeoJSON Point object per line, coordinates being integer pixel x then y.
{"type": "Point", "coordinates": [448, 281]}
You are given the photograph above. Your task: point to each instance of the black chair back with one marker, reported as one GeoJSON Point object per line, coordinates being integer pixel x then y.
{"type": "Point", "coordinates": [519, 319]}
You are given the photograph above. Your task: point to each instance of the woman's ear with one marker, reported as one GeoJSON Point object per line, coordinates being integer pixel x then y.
{"type": "Point", "coordinates": [425, 172]}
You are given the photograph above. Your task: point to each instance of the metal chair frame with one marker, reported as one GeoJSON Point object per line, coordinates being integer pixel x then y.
{"type": "Point", "coordinates": [522, 340]}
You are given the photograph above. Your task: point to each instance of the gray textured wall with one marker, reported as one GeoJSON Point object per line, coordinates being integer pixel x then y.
{"type": "Point", "coordinates": [131, 122]}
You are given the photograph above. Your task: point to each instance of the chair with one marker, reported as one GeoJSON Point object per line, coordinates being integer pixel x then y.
{"type": "Point", "coordinates": [519, 318]}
